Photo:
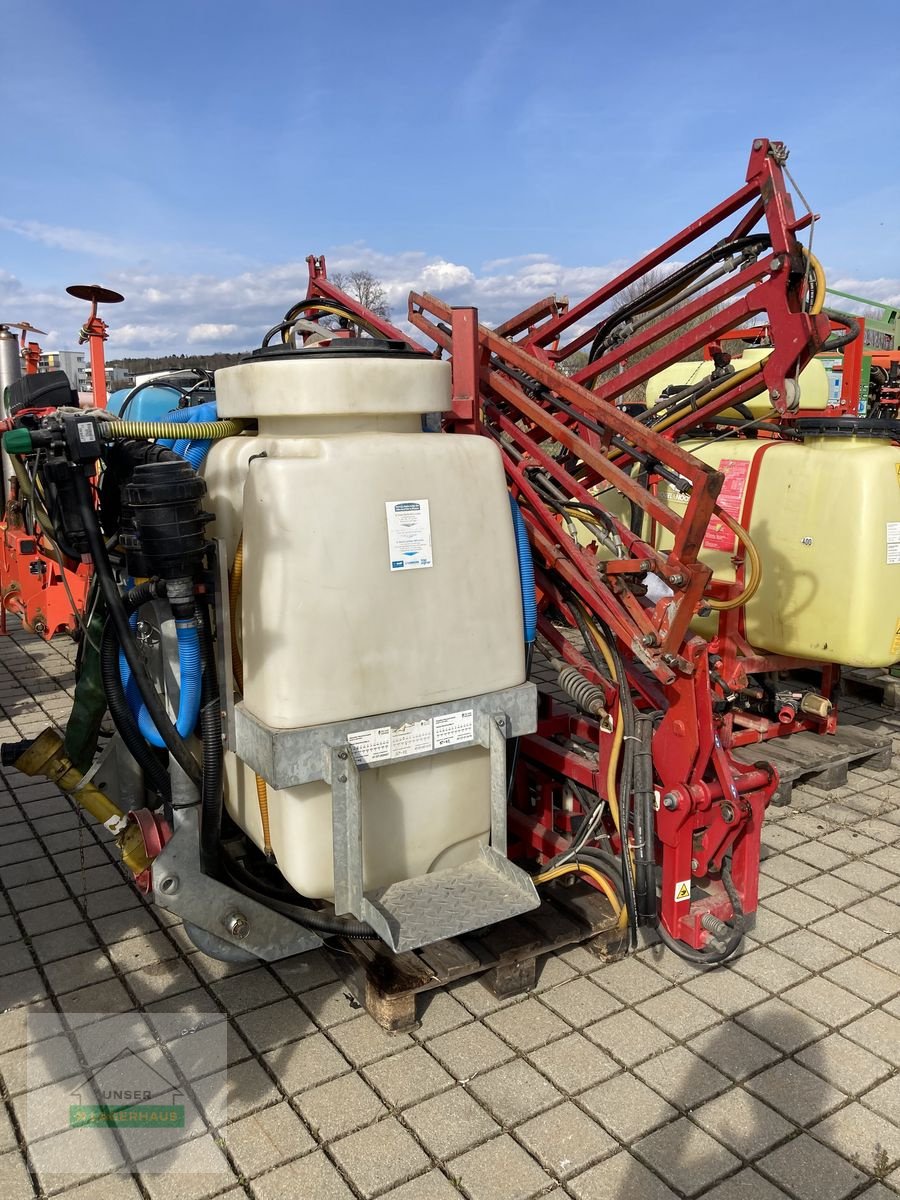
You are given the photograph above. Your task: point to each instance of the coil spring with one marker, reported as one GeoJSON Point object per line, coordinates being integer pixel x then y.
{"type": "Point", "coordinates": [588, 696]}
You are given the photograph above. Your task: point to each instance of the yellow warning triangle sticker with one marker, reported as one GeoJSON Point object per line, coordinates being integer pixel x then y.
{"type": "Point", "coordinates": [683, 891]}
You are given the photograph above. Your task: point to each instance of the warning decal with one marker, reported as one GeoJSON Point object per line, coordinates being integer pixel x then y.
{"type": "Point", "coordinates": [718, 535]}
{"type": "Point", "coordinates": [895, 644]}
{"type": "Point", "coordinates": [683, 891]}
{"type": "Point", "coordinates": [893, 542]}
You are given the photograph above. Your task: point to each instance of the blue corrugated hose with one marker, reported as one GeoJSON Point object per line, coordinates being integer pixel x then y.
{"type": "Point", "coordinates": [190, 670]}
{"type": "Point", "coordinates": [526, 573]}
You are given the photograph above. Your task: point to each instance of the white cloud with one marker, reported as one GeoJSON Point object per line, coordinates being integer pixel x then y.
{"type": "Point", "coordinates": [168, 313]}
{"type": "Point", "coordinates": [207, 334]}
{"type": "Point", "coordinates": [61, 237]}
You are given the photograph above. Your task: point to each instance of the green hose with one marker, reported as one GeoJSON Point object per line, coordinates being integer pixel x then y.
{"type": "Point", "coordinates": [202, 431]}
{"type": "Point", "coordinates": [89, 707]}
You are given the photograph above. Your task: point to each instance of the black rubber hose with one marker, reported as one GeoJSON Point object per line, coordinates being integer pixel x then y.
{"type": "Point", "coordinates": [711, 958]}
{"type": "Point", "coordinates": [645, 890]}
{"type": "Point", "coordinates": [116, 609]}
{"type": "Point", "coordinates": [835, 341]}
{"type": "Point", "coordinates": [321, 922]}
{"type": "Point", "coordinates": [678, 279]}
{"type": "Point", "coordinates": [212, 797]}
{"type": "Point", "coordinates": [123, 718]}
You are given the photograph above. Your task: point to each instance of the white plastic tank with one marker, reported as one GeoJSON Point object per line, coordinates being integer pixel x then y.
{"type": "Point", "coordinates": [380, 573]}
{"type": "Point", "coordinates": [815, 387]}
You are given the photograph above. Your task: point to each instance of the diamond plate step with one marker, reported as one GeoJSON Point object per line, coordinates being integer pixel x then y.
{"type": "Point", "coordinates": [446, 903]}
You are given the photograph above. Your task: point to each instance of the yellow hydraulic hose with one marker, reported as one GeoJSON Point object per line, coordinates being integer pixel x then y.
{"type": "Point", "coordinates": [201, 431]}
{"type": "Point", "coordinates": [819, 299]}
{"type": "Point", "coordinates": [328, 308]}
{"type": "Point", "coordinates": [601, 881]}
{"type": "Point", "coordinates": [237, 666]}
{"type": "Point", "coordinates": [755, 566]}
{"type": "Point", "coordinates": [612, 795]}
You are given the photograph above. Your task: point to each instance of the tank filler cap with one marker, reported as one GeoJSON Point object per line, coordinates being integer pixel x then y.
{"type": "Point", "coordinates": [344, 348]}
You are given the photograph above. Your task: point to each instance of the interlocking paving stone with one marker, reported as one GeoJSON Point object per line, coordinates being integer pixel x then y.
{"type": "Point", "coordinates": [407, 1077]}
{"type": "Point", "coordinates": [469, 1051]}
{"type": "Point", "coordinates": [810, 1171]}
{"type": "Point", "coordinates": [573, 1063]}
{"type": "Point", "coordinates": [379, 1156]}
{"type": "Point", "coordinates": [339, 1107]}
{"type": "Point", "coordinates": [267, 1139]}
{"type": "Point", "coordinates": [565, 1140]}
{"type": "Point", "coordinates": [733, 1050]}
{"type": "Point", "coordinates": [363, 1041]}
{"type": "Point", "coordinates": [627, 1107]}
{"type": "Point", "coordinates": [686, 1157]}
{"type": "Point", "coordinates": [312, 1176]}
{"type": "Point", "coordinates": [742, 1123]}
{"type": "Point", "coordinates": [450, 1123]}
{"type": "Point", "coordinates": [746, 1185]}
{"type": "Point", "coordinates": [795, 1092]}
{"type": "Point", "coordinates": [766, 967]}
{"type": "Point", "coordinates": [499, 1170]}
{"type": "Point", "coordinates": [825, 949]}
{"type": "Point", "coordinates": [528, 1024]}
{"type": "Point", "coordinates": [863, 1136]}
{"type": "Point", "coordinates": [628, 1037]}
{"type": "Point", "coordinates": [578, 1002]}
{"type": "Point", "coordinates": [621, 1177]}
{"type": "Point", "coordinates": [514, 1092]}
{"type": "Point", "coordinates": [782, 1025]}
{"type": "Point", "coordinates": [878, 1032]}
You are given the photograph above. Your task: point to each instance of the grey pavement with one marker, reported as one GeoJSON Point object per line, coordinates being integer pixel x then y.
{"type": "Point", "coordinates": [776, 1077]}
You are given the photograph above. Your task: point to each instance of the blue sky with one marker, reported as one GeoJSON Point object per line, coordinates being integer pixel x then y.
{"type": "Point", "coordinates": [191, 154]}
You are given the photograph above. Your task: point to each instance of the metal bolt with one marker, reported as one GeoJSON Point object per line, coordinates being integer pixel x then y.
{"type": "Point", "coordinates": [501, 722]}
{"type": "Point", "coordinates": [649, 639]}
{"type": "Point", "coordinates": [170, 885]}
{"type": "Point", "coordinates": [342, 778]}
{"type": "Point", "coordinates": [727, 813]}
{"type": "Point", "coordinates": [757, 145]}
{"type": "Point", "coordinates": [776, 395]}
{"type": "Point", "coordinates": [237, 925]}
{"type": "Point", "coordinates": [676, 580]}
{"type": "Point", "coordinates": [670, 801]}
{"type": "Point", "coordinates": [776, 264]}
{"type": "Point", "coordinates": [695, 866]}
{"type": "Point", "coordinates": [342, 754]}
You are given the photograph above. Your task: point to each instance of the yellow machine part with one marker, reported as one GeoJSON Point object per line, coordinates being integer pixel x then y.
{"type": "Point", "coordinates": [824, 515]}
{"type": "Point", "coordinates": [814, 383]}
{"type": "Point", "coordinates": [45, 757]}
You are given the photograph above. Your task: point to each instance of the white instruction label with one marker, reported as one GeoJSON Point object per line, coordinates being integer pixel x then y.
{"type": "Point", "coordinates": [893, 542]}
{"type": "Point", "coordinates": [414, 737]}
{"type": "Point", "coordinates": [409, 534]}
{"type": "Point", "coordinates": [370, 745]}
{"type": "Point", "coordinates": [454, 728]}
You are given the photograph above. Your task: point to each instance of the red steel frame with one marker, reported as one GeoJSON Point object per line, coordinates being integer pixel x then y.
{"type": "Point", "coordinates": [512, 390]}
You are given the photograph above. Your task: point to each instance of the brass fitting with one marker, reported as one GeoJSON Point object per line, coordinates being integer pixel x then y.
{"type": "Point", "coordinates": [45, 757]}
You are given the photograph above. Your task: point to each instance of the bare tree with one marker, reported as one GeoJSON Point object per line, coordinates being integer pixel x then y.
{"type": "Point", "coordinates": [364, 287]}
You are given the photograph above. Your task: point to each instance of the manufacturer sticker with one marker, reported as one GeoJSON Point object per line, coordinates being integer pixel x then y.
{"type": "Point", "coordinates": [409, 534]}
{"type": "Point", "coordinates": [454, 728]}
{"type": "Point", "coordinates": [718, 535]}
{"type": "Point", "coordinates": [682, 891]}
{"type": "Point", "coordinates": [893, 542]}
{"type": "Point", "coordinates": [413, 737]}
{"type": "Point", "coordinates": [370, 745]}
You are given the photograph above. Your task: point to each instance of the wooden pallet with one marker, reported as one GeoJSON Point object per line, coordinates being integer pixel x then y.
{"type": "Point", "coordinates": [823, 759]}
{"type": "Point", "coordinates": [872, 684]}
{"type": "Point", "coordinates": [504, 956]}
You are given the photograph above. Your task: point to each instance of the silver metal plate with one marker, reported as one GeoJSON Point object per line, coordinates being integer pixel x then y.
{"type": "Point", "coordinates": [446, 903]}
{"type": "Point", "coordinates": [181, 887]}
{"type": "Point", "coordinates": [291, 757]}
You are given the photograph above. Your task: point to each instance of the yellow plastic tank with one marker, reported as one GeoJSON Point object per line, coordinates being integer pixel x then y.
{"type": "Point", "coordinates": [814, 383]}
{"type": "Point", "coordinates": [824, 514]}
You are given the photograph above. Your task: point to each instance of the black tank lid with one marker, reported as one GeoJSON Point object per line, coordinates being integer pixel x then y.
{"type": "Point", "coordinates": [339, 348]}
{"type": "Point", "coordinates": [843, 427]}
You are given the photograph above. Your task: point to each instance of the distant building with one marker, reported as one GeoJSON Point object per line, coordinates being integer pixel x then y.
{"type": "Point", "coordinates": [70, 361]}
